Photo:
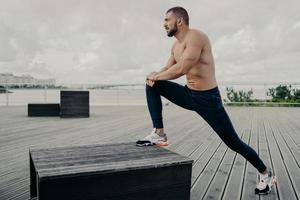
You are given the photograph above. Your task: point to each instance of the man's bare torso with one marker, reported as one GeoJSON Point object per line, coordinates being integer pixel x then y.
{"type": "Point", "coordinates": [201, 75]}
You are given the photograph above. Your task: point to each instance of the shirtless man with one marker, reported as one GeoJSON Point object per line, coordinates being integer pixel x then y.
{"type": "Point", "coordinates": [191, 55]}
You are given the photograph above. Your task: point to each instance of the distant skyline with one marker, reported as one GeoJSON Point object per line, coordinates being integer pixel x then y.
{"type": "Point", "coordinates": [115, 42]}
{"type": "Point", "coordinates": [8, 79]}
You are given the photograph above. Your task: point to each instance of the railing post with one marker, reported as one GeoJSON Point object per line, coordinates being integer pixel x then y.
{"type": "Point", "coordinates": [7, 97]}
{"type": "Point", "coordinates": [265, 101]}
{"type": "Point", "coordinates": [118, 103]}
{"type": "Point", "coordinates": [45, 93]}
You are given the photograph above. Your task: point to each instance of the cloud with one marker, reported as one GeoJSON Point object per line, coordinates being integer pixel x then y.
{"type": "Point", "coordinates": [236, 47]}
{"type": "Point", "coordinates": [121, 41]}
{"type": "Point", "coordinates": [8, 50]}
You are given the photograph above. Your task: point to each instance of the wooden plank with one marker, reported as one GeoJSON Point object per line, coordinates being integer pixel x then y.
{"type": "Point", "coordinates": [288, 134]}
{"type": "Point", "coordinates": [203, 180]}
{"type": "Point", "coordinates": [285, 189]}
{"type": "Point", "coordinates": [290, 127]}
{"type": "Point", "coordinates": [202, 160]}
{"type": "Point", "coordinates": [250, 177]}
{"type": "Point", "coordinates": [194, 139]}
{"type": "Point", "coordinates": [199, 191]}
{"type": "Point", "coordinates": [293, 125]}
{"type": "Point", "coordinates": [218, 183]}
{"type": "Point", "coordinates": [24, 195]}
{"type": "Point", "coordinates": [289, 161]}
{"type": "Point", "coordinates": [236, 179]}
{"type": "Point", "coordinates": [264, 153]}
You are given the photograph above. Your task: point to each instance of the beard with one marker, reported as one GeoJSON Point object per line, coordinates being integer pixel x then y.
{"type": "Point", "coordinates": [173, 31]}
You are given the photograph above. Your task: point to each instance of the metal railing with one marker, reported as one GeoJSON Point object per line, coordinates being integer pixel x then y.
{"type": "Point", "coordinates": [122, 94]}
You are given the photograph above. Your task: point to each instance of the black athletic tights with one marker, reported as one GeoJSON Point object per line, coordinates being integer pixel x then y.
{"type": "Point", "coordinates": [208, 104]}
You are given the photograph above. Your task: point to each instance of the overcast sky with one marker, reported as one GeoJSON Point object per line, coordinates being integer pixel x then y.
{"type": "Point", "coordinates": [110, 41]}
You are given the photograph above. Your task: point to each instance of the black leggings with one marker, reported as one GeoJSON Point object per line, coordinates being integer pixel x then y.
{"type": "Point", "coordinates": [208, 104]}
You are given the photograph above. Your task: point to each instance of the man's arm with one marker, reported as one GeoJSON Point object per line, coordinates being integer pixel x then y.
{"type": "Point", "coordinates": [188, 59]}
{"type": "Point", "coordinates": [169, 64]}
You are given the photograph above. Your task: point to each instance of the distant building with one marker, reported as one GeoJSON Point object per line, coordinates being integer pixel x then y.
{"type": "Point", "coordinates": [10, 79]}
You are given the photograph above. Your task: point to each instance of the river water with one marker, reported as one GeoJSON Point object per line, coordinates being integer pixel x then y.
{"type": "Point", "coordinates": [114, 96]}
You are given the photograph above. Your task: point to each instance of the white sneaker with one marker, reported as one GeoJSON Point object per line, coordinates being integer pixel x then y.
{"type": "Point", "coordinates": [153, 139]}
{"type": "Point", "coordinates": [265, 184]}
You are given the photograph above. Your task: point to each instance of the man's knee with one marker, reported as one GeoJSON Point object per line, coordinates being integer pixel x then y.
{"type": "Point", "coordinates": [157, 84]}
{"type": "Point", "coordinates": [160, 83]}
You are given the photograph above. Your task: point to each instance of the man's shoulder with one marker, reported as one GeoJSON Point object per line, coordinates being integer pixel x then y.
{"type": "Point", "coordinates": [196, 36]}
{"type": "Point", "coordinates": [197, 33]}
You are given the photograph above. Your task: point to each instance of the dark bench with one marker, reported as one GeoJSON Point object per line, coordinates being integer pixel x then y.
{"type": "Point", "coordinates": [43, 109]}
{"type": "Point", "coordinates": [109, 172]}
{"type": "Point", "coordinates": [74, 104]}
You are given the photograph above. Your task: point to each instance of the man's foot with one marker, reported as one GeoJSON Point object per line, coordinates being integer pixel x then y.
{"type": "Point", "coordinates": [153, 139]}
{"type": "Point", "coordinates": [265, 184]}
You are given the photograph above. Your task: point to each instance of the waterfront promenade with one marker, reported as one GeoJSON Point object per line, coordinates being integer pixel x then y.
{"type": "Point", "coordinates": [218, 172]}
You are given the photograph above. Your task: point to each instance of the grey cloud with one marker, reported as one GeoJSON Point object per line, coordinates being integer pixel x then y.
{"type": "Point", "coordinates": [8, 51]}
{"type": "Point", "coordinates": [118, 41]}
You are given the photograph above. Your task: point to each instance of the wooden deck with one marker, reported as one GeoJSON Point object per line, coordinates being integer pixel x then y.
{"type": "Point", "coordinates": [218, 172]}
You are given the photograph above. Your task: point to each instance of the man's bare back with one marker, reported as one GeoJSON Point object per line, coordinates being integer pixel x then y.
{"type": "Point", "coordinates": [201, 76]}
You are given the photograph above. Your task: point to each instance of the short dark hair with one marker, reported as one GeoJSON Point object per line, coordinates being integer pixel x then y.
{"type": "Point", "coordinates": [180, 12]}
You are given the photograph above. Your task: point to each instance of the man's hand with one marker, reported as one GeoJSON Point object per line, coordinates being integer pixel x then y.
{"type": "Point", "coordinates": [150, 79]}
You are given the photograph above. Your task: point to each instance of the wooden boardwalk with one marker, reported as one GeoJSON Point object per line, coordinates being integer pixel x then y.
{"type": "Point", "coordinates": [218, 172]}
